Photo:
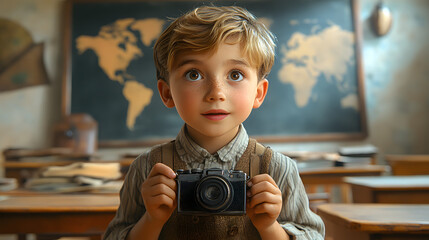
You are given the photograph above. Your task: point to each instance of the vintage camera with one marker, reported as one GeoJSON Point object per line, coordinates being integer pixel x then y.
{"type": "Point", "coordinates": [211, 191]}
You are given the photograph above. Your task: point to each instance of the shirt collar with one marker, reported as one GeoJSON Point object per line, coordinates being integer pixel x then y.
{"type": "Point", "coordinates": [190, 151]}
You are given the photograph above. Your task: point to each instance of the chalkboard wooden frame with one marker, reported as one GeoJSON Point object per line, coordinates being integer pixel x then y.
{"type": "Point", "coordinates": [67, 79]}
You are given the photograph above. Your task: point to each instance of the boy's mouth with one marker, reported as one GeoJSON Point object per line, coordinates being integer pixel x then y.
{"type": "Point", "coordinates": [216, 114]}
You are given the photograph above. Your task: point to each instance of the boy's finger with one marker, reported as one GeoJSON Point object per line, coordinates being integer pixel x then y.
{"type": "Point", "coordinates": [161, 179]}
{"type": "Point", "coordinates": [267, 208]}
{"type": "Point", "coordinates": [264, 197]}
{"type": "Point", "coordinates": [163, 189]}
{"type": "Point", "coordinates": [162, 200]}
{"type": "Point", "coordinates": [261, 177]}
{"type": "Point", "coordinates": [264, 186]}
{"type": "Point", "coordinates": [170, 184]}
{"type": "Point", "coordinates": [162, 169]}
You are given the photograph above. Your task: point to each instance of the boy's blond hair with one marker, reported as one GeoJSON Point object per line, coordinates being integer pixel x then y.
{"type": "Point", "coordinates": [205, 28]}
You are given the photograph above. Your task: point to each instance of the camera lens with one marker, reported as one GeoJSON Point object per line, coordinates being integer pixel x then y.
{"type": "Point", "coordinates": [214, 193]}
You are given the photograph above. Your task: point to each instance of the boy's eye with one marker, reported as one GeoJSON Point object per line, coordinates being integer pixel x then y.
{"type": "Point", "coordinates": [235, 76]}
{"type": "Point", "coordinates": [193, 75]}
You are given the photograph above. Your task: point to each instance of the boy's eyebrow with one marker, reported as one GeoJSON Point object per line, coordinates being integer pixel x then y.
{"type": "Point", "coordinates": [187, 61]}
{"type": "Point", "coordinates": [239, 62]}
{"type": "Point", "coordinates": [230, 61]}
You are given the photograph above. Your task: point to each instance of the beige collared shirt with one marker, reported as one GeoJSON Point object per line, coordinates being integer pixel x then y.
{"type": "Point", "coordinates": [295, 217]}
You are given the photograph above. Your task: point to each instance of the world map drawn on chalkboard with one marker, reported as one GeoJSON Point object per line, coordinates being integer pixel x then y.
{"type": "Point", "coordinates": [115, 47]}
{"type": "Point", "coordinates": [314, 62]}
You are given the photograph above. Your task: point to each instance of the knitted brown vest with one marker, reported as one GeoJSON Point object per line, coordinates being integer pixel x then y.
{"type": "Point", "coordinates": [212, 227]}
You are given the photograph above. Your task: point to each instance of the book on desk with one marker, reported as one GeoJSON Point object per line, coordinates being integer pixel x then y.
{"type": "Point", "coordinates": [344, 157]}
{"type": "Point", "coordinates": [79, 176]}
{"type": "Point", "coordinates": [58, 170]}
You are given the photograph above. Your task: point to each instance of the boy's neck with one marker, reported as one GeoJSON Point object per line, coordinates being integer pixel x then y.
{"type": "Point", "coordinates": [211, 144]}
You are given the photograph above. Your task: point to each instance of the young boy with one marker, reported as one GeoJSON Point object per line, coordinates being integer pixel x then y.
{"type": "Point", "coordinates": [212, 65]}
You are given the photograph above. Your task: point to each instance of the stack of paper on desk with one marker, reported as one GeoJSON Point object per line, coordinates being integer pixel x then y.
{"type": "Point", "coordinates": [79, 176]}
{"type": "Point", "coordinates": [7, 184]}
{"type": "Point", "coordinates": [88, 169]}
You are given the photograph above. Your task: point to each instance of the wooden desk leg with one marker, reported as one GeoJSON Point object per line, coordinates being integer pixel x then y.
{"type": "Point", "coordinates": [22, 236]}
{"type": "Point", "coordinates": [335, 231]}
{"type": "Point", "coordinates": [346, 193]}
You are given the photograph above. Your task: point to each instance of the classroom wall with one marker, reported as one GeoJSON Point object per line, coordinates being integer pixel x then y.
{"type": "Point", "coordinates": [27, 115]}
{"type": "Point", "coordinates": [396, 77]}
{"type": "Point", "coordinates": [395, 68]}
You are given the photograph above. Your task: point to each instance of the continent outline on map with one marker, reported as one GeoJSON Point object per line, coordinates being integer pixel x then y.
{"type": "Point", "coordinates": [119, 38]}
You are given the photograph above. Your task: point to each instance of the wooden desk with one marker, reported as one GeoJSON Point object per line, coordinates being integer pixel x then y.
{"type": "Point", "coordinates": [333, 176]}
{"type": "Point", "coordinates": [57, 214]}
{"type": "Point", "coordinates": [375, 221]}
{"type": "Point", "coordinates": [408, 164]}
{"type": "Point", "coordinates": [390, 189]}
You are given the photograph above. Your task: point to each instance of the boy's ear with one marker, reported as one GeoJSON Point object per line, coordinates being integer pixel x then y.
{"type": "Point", "coordinates": [261, 92]}
{"type": "Point", "coordinates": [164, 92]}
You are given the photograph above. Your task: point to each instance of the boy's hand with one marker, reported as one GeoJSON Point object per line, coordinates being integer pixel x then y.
{"type": "Point", "coordinates": [264, 201]}
{"type": "Point", "coordinates": [159, 193]}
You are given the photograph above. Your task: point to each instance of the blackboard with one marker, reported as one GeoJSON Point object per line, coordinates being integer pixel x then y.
{"type": "Point", "coordinates": [316, 85]}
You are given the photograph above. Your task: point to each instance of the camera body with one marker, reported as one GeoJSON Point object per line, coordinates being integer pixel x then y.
{"type": "Point", "coordinates": [211, 191]}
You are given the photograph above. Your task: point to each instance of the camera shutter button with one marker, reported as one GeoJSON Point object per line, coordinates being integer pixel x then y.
{"type": "Point", "coordinates": [232, 230]}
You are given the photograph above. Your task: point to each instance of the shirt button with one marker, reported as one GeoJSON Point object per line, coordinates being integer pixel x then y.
{"type": "Point", "coordinates": [195, 219]}
{"type": "Point", "coordinates": [233, 230]}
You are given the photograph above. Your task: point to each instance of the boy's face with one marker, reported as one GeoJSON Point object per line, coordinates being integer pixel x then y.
{"type": "Point", "coordinates": [213, 92]}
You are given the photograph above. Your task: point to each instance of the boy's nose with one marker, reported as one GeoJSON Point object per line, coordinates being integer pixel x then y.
{"type": "Point", "coordinates": [215, 92]}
